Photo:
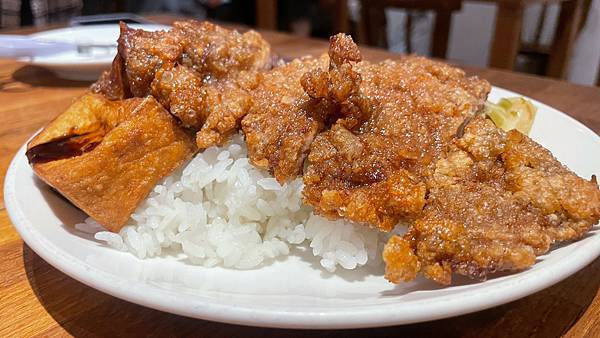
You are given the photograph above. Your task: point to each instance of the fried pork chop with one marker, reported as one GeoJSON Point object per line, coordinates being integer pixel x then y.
{"type": "Point", "coordinates": [394, 120]}
{"type": "Point", "coordinates": [199, 71]}
{"type": "Point", "coordinates": [496, 201]}
{"type": "Point", "coordinates": [408, 145]}
{"type": "Point", "coordinates": [283, 120]}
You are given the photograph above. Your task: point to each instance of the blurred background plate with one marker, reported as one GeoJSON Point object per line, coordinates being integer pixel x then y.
{"type": "Point", "coordinates": [86, 66]}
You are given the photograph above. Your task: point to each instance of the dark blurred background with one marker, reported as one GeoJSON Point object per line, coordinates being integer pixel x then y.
{"type": "Point", "coordinates": [557, 38]}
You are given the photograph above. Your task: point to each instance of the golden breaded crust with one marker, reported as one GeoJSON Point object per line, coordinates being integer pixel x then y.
{"type": "Point", "coordinates": [496, 201]}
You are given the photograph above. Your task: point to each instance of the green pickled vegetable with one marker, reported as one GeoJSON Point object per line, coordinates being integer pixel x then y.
{"type": "Point", "coordinates": [512, 113]}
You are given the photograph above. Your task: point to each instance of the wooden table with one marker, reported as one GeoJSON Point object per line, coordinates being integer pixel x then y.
{"type": "Point", "coordinates": [36, 299]}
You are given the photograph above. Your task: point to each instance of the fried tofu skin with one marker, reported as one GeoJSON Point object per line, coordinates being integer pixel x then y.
{"type": "Point", "coordinates": [496, 201]}
{"type": "Point", "coordinates": [106, 156]}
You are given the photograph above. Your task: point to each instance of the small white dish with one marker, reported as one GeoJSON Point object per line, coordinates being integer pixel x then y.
{"type": "Point", "coordinates": [293, 292]}
{"type": "Point", "coordinates": [82, 66]}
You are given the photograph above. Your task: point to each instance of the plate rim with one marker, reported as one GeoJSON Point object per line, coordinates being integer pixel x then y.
{"type": "Point", "coordinates": [350, 317]}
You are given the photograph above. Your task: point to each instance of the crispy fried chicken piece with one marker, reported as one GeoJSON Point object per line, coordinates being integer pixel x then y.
{"type": "Point", "coordinates": [394, 120]}
{"type": "Point", "coordinates": [228, 102]}
{"type": "Point", "coordinates": [351, 177]}
{"type": "Point", "coordinates": [496, 201]}
{"type": "Point", "coordinates": [340, 84]}
{"type": "Point", "coordinates": [213, 108]}
{"type": "Point", "coordinates": [180, 90]}
{"type": "Point", "coordinates": [111, 83]}
{"type": "Point", "coordinates": [215, 52]}
{"type": "Point", "coordinates": [212, 52]}
{"type": "Point", "coordinates": [106, 156]}
{"type": "Point", "coordinates": [283, 120]}
{"type": "Point", "coordinates": [140, 55]}
{"type": "Point", "coordinates": [199, 71]}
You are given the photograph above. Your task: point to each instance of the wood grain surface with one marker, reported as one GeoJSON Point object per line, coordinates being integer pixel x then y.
{"type": "Point", "coordinates": [38, 300]}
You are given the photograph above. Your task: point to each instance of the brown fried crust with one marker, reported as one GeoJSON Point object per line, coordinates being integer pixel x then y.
{"type": "Point", "coordinates": [391, 123]}
{"type": "Point", "coordinates": [139, 144]}
{"type": "Point", "coordinates": [496, 201]}
{"type": "Point", "coordinates": [201, 72]}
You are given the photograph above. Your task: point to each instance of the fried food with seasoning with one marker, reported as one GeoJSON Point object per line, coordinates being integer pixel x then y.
{"type": "Point", "coordinates": [214, 109]}
{"type": "Point", "coordinates": [399, 142]}
{"type": "Point", "coordinates": [140, 54]}
{"type": "Point", "coordinates": [340, 84]}
{"type": "Point", "coordinates": [106, 156]}
{"type": "Point", "coordinates": [199, 71]}
{"type": "Point", "coordinates": [228, 102]}
{"type": "Point", "coordinates": [283, 120]}
{"type": "Point", "coordinates": [394, 118]}
{"type": "Point", "coordinates": [215, 52]}
{"type": "Point", "coordinates": [496, 201]}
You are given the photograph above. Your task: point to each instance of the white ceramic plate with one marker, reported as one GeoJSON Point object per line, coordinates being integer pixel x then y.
{"type": "Point", "coordinates": [293, 292]}
{"type": "Point", "coordinates": [76, 66]}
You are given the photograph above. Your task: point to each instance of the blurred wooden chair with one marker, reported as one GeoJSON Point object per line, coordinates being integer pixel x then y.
{"type": "Point", "coordinates": [266, 15]}
{"type": "Point", "coordinates": [372, 26]}
{"type": "Point", "coordinates": [507, 45]}
{"type": "Point", "coordinates": [534, 54]}
{"type": "Point", "coordinates": [539, 54]}
{"type": "Point", "coordinates": [506, 42]}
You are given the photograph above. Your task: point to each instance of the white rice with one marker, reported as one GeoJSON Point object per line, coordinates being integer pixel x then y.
{"type": "Point", "coordinates": [221, 210]}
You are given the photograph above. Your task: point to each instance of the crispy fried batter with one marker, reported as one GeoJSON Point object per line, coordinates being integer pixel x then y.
{"type": "Point", "coordinates": [228, 102]}
{"type": "Point", "coordinates": [395, 118]}
{"type": "Point", "coordinates": [496, 201]}
{"type": "Point", "coordinates": [215, 52]}
{"type": "Point", "coordinates": [106, 156]}
{"type": "Point", "coordinates": [199, 71]}
{"type": "Point", "coordinates": [180, 90]}
{"type": "Point", "coordinates": [142, 54]}
{"type": "Point", "coordinates": [283, 120]}
{"type": "Point", "coordinates": [111, 83]}
{"type": "Point", "coordinates": [296, 101]}
{"type": "Point", "coordinates": [340, 84]}
{"type": "Point", "coordinates": [351, 176]}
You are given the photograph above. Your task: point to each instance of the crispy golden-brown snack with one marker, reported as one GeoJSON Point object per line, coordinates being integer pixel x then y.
{"type": "Point", "coordinates": [140, 55]}
{"type": "Point", "coordinates": [214, 108]}
{"type": "Point", "coordinates": [106, 156]}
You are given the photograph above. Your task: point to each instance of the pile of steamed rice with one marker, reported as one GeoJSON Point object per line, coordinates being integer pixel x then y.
{"type": "Point", "coordinates": [221, 210]}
